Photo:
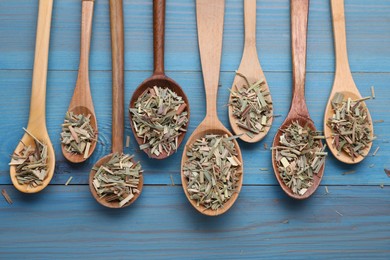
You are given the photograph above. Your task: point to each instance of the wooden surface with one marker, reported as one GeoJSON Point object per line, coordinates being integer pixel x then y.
{"type": "Point", "coordinates": [351, 221]}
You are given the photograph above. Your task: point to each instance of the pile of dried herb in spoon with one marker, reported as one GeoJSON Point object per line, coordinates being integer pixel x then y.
{"type": "Point", "coordinates": [350, 125]}
{"type": "Point", "coordinates": [252, 106]}
{"type": "Point", "coordinates": [299, 156]}
{"type": "Point", "coordinates": [159, 118]}
{"type": "Point", "coordinates": [31, 163]}
{"type": "Point", "coordinates": [212, 170]}
{"type": "Point", "coordinates": [77, 134]}
{"type": "Point", "coordinates": [117, 179]}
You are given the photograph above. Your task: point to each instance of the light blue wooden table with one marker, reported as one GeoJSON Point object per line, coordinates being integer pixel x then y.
{"type": "Point", "coordinates": [352, 220]}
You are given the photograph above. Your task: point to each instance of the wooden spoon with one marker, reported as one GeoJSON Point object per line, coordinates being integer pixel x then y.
{"type": "Point", "coordinates": [298, 110]}
{"type": "Point", "coordinates": [343, 81]}
{"type": "Point", "coordinates": [117, 46]}
{"type": "Point", "coordinates": [37, 120]}
{"type": "Point", "coordinates": [210, 16]}
{"type": "Point", "coordinates": [158, 78]}
{"type": "Point", "coordinates": [81, 102]}
{"type": "Point", "coordinates": [250, 68]}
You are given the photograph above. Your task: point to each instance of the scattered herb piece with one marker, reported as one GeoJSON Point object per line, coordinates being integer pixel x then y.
{"type": "Point", "coordinates": [77, 133]}
{"type": "Point", "coordinates": [263, 169]}
{"type": "Point", "coordinates": [382, 185]}
{"type": "Point", "coordinates": [326, 190]}
{"type": "Point", "coordinates": [117, 180]}
{"type": "Point", "coordinates": [127, 141]}
{"type": "Point", "coordinates": [376, 150]}
{"type": "Point", "coordinates": [349, 172]}
{"type": "Point", "coordinates": [339, 213]}
{"type": "Point", "coordinates": [68, 181]}
{"type": "Point", "coordinates": [212, 170]}
{"type": "Point", "coordinates": [298, 157]}
{"type": "Point", "coordinates": [350, 126]}
{"type": "Point", "coordinates": [387, 171]}
{"type": "Point", "coordinates": [6, 196]}
{"type": "Point", "coordinates": [371, 166]}
{"type": "Point", "coordinates": [379, 121]}
{"type": "Point", "coordinates": [159, 117]}
{"type": "Point", "coordinates": [252, 106]}
{"type": "Point", "coordinates": [372, 92]}
{"type": "Point", "coordinates": [173, 183]}
{"type": "Point", "coordinates": [265, 146]}
{"type": "Point", "coordinates": [30, 163]}
{"type": "Point", "coordinates": [285, 221]}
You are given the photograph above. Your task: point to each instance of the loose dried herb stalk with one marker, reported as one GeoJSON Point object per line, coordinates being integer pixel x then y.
{"type": "Point", "coordinates": [252, 106]}
{"type": "Point", "coordinates": [299, 156]}
{"type": "Point", "coordinates": [159, 118]}
{"type": "Point", "coordinates": [212, 170]}
{"type": "Point", "coordinates": [350, 126]}
{"type": "Point", "coordinates": [117, 180]}
{"type": "Point", "coordinates": [77, 134]}
{"type": "Point", "coordinates": [30, 163]}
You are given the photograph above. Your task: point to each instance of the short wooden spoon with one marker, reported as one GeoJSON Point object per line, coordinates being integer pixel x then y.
{"type": "Point", "coordinates": [298, 110]}
{"type": "Point", "coordinates": [210, 16]}
{"type": "Point", "coordinates": [343, 81]}
{"type": "Point", "coordinates": [117, 46]}
{"type": "Point", "coordinates": [37, 120]}
{"type": "Point", "coordinates": [81, 102]}
{"type": "Point", "coordinates": [251, 69]}
{"type": "Point", "coordinates": [158, 78]}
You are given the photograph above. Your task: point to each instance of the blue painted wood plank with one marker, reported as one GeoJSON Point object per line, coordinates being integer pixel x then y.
{"type": "Point", "coordinates": [15, 91]}
{"type": "Point", "coordinates": [367, 30]}
{"type": "Point", "coordinates": [65, 222]}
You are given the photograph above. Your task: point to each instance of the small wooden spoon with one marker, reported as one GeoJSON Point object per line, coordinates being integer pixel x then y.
{"type": "Point", "coordinates": [250, 68]}
{"type": "Point", "coordinates": [210, 16]}
{"type": "Point", "coordinates": [343, 81]}
{"type": "Point", "coordinates": [158, 78]}
{"type": "Point", "coordinates": [117, 46]}
{"type": "Point", "coordinates": [37, 120]}
{"type": "Point", "coordinates": [298, 110]}
{"type": "Point", "coordinates": [81, 102]}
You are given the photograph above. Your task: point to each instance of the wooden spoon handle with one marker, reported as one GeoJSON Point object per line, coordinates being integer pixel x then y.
{"type": "Point", "coordinates": [85, 42]}
{"type": "Point", "coordinates": [158, 35]}
{"type": "Point", "coordinates": [117, 49]}
{"type": "Point", "coordinates": [38, 91]}
{"type": "Point", "coordinates": [210, 16]}
{"type": "Point", "coordinates": [340, 39]}
{"type": "Point", "coordinates": [250, 23]}
{"type": "Point", "coordinates": [299, 18]}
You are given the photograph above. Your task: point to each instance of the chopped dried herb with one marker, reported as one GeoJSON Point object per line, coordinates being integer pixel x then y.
{"type": "Point", "coordinates": [299, 157]}
{"type": "Point", "coordinates": [6, 196]}
{"type": "Point", "coordinates": [77, 134]}
{"type": "Point", "coordinates": [117, 180]}
{"type": "Point", "coordinates": [350, 126]}
{"type": "Point", "coordinates": [159, 117]}
{"type": "Point", "coordinates": [252, 106]}
{"type": "Point", "coordinates": [387, 171]}
{"type": "Point", "coordinates": [212, 170]}
{"type": "Point", "coordinates": [30, 163]}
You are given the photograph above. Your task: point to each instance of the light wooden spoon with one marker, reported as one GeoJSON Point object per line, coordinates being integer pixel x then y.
{"type": "Point", "coordinates": [250, 68]}
{"type": "Point", "coordinates": [298, 110]}
{"type": "Point", "coordinates": [117, 46]}
{"type": "Point", "coordinates": [158, 78]}
{"type": "Point", "coordinates": [210, 16]}
{"type": "Point", "coordinates": [81, 102]}
{"type": "Point", "coordinates": [343, 81]}
{"type": "Point", "coordinates": [37, 120]}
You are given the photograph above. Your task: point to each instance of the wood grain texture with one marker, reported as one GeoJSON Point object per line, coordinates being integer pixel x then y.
{"type": "Point", "coordinates": [345, 224]}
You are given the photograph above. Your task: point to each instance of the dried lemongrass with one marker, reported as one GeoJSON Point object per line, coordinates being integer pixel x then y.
{"type": "Point", "coordinates": [212, 170]}
{"type": "Point", "coordinates": [299, 157]}
{"type": "Point", "coordinates": [252, 106]}
{"type": "Point", "coordinates": [117, 180]}
{"type": "Point", "coordinates": [77, 133]}
{"type": "Point", "coordinates": [159, 117]}
{"type": "Point", "coordinates": [30, 163]}
{"type": "Point", "coordinates": [350, 126]}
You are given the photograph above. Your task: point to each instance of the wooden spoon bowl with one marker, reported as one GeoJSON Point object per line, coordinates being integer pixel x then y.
{"type": "Point", "coordinates": [158, 78]}
{"type": "Point", "coordinates": [343, 82]}
{"type": "Point", "coordinates": [103, 201]}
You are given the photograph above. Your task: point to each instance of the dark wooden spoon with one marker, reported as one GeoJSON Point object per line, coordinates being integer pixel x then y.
{"type": "Point", "coordinates": [298, 110]}
{"type": "Point", "coordinates": [158, 78]}
{"type": "Point", "coordinates": [117, 46]}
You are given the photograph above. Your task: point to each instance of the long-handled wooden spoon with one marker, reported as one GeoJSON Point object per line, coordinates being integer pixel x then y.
{"type": "Point", "coordinates": [158, 78]}
{"type": "Point", "coordinates": [37, 120]}
{"type": "Point", "coordinates": [343, 82]}
{"type": "Point", "coordinates": [117, 46]}
{"type": "Point", "coordinates": [210, 16]}
{"type": "Point", "coordinates": [298, 110]}
{"type": "Point", "coordinates": [81, 102]}
{"type": "Point", "coordinates": [251, 69]}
